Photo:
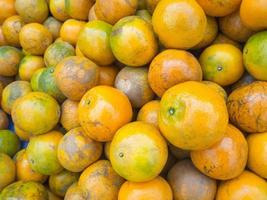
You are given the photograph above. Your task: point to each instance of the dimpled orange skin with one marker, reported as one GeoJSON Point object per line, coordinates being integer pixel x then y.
{"type": "Point", "coordinates": [75, 192]}
{"type": "Point", "coordinates": [35, 38]}
{"type": "Point", "coordinates": [22, 134]}
{"type": "Point", "coordinates": [76, 151]}
{"type": "Point", "coordinates": [78, 9]}
{"type": "Point", "coordinates": [253, 14]}
{"type": "Point", "coordinates": [113, 11]}
{"type": "Point", "coordinates": [54, 26]}
{"type": "Point", "coordinates": [246, 186]}
{"type": "Point", "coordinates": [107, 75]}
{"type": "Point", "coordinates": [70, 30]}
{"type": "Point", "coordinates": [223, 39]}
{"type": "Point", "coordinates": [3, 41]}
{"type": "Point", "coordinates": [156, 189]}
{"type": "Point", "coordinates": [28, 65]}
{"type": "Point", "coordinates": [100, 181]}
{"type": "Point", "coordinates": [24, 170]}
{"type": "Point", "coordinates": [78, 51]}
{"type": "Point", "coordinates": [58, 9]}
{"type": "Point", "coordinates": [149, 112]}
{"type": "Point", "coordinates": [7, 170]}
{"type": "Point", "coordinates": [257, 161]}
{"type": "Point", "coordinates": [188, 183]}
{"type": "Point", "coordinates": [179, 23]}
{"type": "Point", "coordinates": [92, 16]}
{"type": "Point", "coordinates": [247, 107]}
{"type": "Point", "coordinates": [171, 67]}
{"type": "Point", "coordinates": [11, 28]}
{"type": "Point", "coordinates": [193, 116]}
{"type": "Point", "coordinates": [7, 9]}
{"type": "Point", "coordinates": [217, 88]}
{"type": "Point", "coordinates": [224, 160]}
{"type": "Point", "coordinates": [218, 8]}
{"type": "Point", "coordinates": [69, 114]}
{"type": "Point", "coordinates": [232, 26]}
{"type": "Point", "coordinates": [75, 75]}
{"type": "Point", "coordinates": [102, 111]}
{"type": "Point", "coordinates": [222, 64]}
{"type": "Point", "coordinates": [131, 38]}
{"type": "Point", "coordinates": [4, 122]}
{"type": "Point", "coordinates": [138, 152]}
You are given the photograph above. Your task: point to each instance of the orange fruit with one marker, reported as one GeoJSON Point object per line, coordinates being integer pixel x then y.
{"type": "Point", "coordinates": [246, 186]}
{"type": "Point", "coordinates": [11, 28]}
{"type": "Point", "coordinates": [7, 9]}
{"type": "Point", "coordinates": [75, 192]}
{"type": "Point", "coordinates": [52, 196]}
{"type": "Point", "coordinates": [188, 183]}
{"type": "Point", "coordinates": [219, 8]}
{"type": "Point", "coordinates": [107, 75]}
{"type": "Point", "coordinates": [151, 5]}
{"type": "Point", "coordinates": [211, 32]}
{"type": "Point", "coordinates": [22, 134]}
{"type": "Point", "coordinates": [253, 14]}
{"type": "Point", "coordinates": [75, 75]}
{"type": "Point", "coordinates": [92, 15]}
{"type": "Point", "coordinates": [156, 189]}
{"type": "Point", "coordinates": [222, 39]}
{"type": "Point", "coordinates": [101, 114]}
{"type": "Point", "coordinates": [100, 181]}
{"type": "Point", "coordinates": [172, 22]}
{"type": "Point", "coordinates": [70, 30]}
{"type": "Point", "coordinates": [3, 41]}
{"type": "Point", "coordinates": [59, 183]}
{"type": "Point", "coordinates": [217, 88]}
{"type": "Point", "coordinates": [7, 171]}
{"type": "Point", "coordinates": [131, 38]}
{"type": "Point", "coordinates": [42, 114]}
{"type": "Point", "coordinates": [28, 65]}
{"type": "Point", "coordinates": [10, 58]}
{"type": "Point", "coordinates": [94, 43]}
{"type": "Point", "coordinates": [3, 120]}
{"type": "Point", "coordinates": [76, 151]}
{"type": "Point", "coordinates": [243, 81]}
{"type": "Point", "coordinates": [232, 26]}
{"type": "Point", "coordinates": [254, 54]}
{"type": "Point", "coordinates": [186, 107]}
{"type": "Point", "coordinates": [145, 15]}
{"type": "Point", "coordinates": [138, 152]}
{"type": "Point", "coordinates": [9, 142]}
{"type": "Point", "coordinates": [113, 11]}
{"type": "Point", "coordinates": [107, 150]}
{"type": "Point", "coordinates": [53, 25]}
{"type": "Point", "coordinates": [78, 9]}
{"type": "Point", "coordinates": [42, 153]}
{"type": "Point", "coordinates": [134, 83]}
{"type": "Point", "coordinates": [35, 38]}
{"type": "Point", "coordinates": [222, 64]}
{"type": "Point", "coordinates": [24, 171]}
{"type": "Point", "coordinates": [150, 112]}
{"type": "Point", "coordinates": [257, 162]}
{"type": "Point", "coordinates": [78, 51]}
{"type": "Point", "coordinates": [226, 159]}
{"type": "Point", "coordinates": [32, 10]}
{"type": "Point", "coordinates": [171, 67]}
{"type": "Point", "coordinates": [69, 114]}
{"type": "Point", "coordinates": [58, 9]}
{"type": "Point", "coordinates": [247, 108]}
{"type": "Point", "coordinates": [12, 92]}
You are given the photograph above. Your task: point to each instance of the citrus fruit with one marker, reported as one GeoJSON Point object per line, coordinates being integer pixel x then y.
{"type": "Point", "coordinates": [7, 9]}
{"type": "Point", "coordinates": [223, 39]}
{"type": "Point", "coordinates": [246, 107]}
{"type": "Point", "coordinates": [134, 83]}
{"type": "Point", "coordinates": [22, 134]}
{"type": "Point", "coordinates": [92, 16]}
{"type": "Point", "coordinates": [94, 43]}
{"type": "Point", "coordinates": [69, 114]}
{"type": "Point", "coordinates": [150, 112]}
{"type": "Point", "coordinates": [226, 159]}
{"type": "Point", "coordinates": [246, 186]}
{"type": "Point", "coordinates": [24, 171]}
{"type": "Point", "coordinates": [58, 9]}
{"type": "Point", "coordinates": [100, 181]}
{"type": "Point", "coordinates": [7, 171]}
{"type": "Point", "coordinates": [75, 192]}
{"type": "Point", "coordinates": [171, 67]}
{"type": "Point", "coordinates": [11, 28]}
{"type": "Point", "coordinates": [188, 183]}
{"type": "Point", "coordinates": [132, 38]}
{"type": "Point", "coordinates": [78, 9]}
{"type": "Point", "coordinates": [102, 111]}
{"type": "Point", "coordinates": [75, 75]}
{"type": "Point", "coordinates": [113, 11]}
{"type": "Point", "coordinates": [151, 5]}
{"type": "Point", "coordinates": [42, 153]}
{"type": "Point", "coordinates": [59, 183]}
{"type": "Point", "coordinates": [145, 15]}
{"type": "Point", "coordinates": [138, 152]}
{"type": "Point", "coordinates": [12, 92]}
{"type": "Point", "coordinates": [52, 196]}
{"type": "Point", "coordinates": [186, 107]}
{"type": "Point", "coordinates": [3, 120]}
{"type": "Point", "coordinates": [222, 64]}
{"type": "Point", "coordinates": [10, 58]}
{"type": "Point", "coordinates": [35, 79]}
{"type": "Point", "coordinates": [217, 88]}
{"type": "Point", "coordinates": [172, 22]}
{"type": "Point", "coordinates": [9, 142]}
{"type": "Point", "coordinates": [35, 38]}
{"type": "Point", "coordinates": [156, 189]}
{"type": "Point", "coordinates": [107, 75]}
{"type": "Point", "coordinates": [3, 41]}
{"type": "Point", "coordinates": [53, 25]}
{"type": "Point", "coordinates": [107, 150]}
{"type": "Point", "coordinates": [76, 151]}
{"type": "Point", "coordinates": [32, 10]}
{"type": "Point", "coordinates": [36, 113]}
{"type": "Point", "coordinates": [243, 81]}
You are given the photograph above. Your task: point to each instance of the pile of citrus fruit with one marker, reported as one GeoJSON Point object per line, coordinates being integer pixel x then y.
{"type": "Point", "coordinates": [133, 99]}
